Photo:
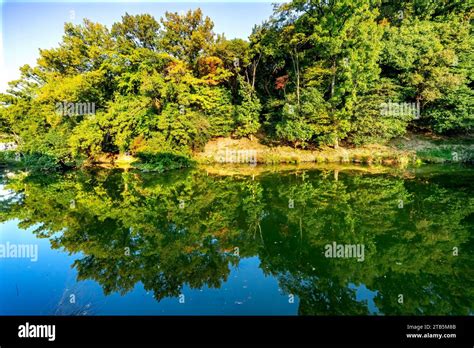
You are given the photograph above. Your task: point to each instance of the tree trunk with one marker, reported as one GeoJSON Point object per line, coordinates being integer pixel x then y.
{"type": "Point", "coordinates": [333, 84]}
{"type": "Point", "coordinates": [254, 71]}
{"type": "Point", "coordinates": [294, 60]}
{"type": "Point", "coordinates": [333, 81]}
{"type": "Point", "coordinates": [297, 77]}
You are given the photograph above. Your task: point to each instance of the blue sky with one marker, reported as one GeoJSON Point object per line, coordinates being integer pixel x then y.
{"type": "Point", "coordinates": [29, 25]}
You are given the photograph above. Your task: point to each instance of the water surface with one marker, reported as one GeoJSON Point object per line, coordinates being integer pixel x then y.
{"type": "Point", "coordinates": [195, 243]}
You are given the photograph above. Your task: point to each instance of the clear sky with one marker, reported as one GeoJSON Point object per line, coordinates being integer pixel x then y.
{"type": "Point", "coordinates": [29, 25]}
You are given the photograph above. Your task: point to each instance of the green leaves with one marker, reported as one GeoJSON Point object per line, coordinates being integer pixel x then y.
{"type": "Point", "coordinates": [247, 114]}
{"type": "Point", "coordinates": [432, 62]}
{"type": "Point", "coordinates": [186, 36]}
{"type": "Point", "coordinates": [172, 81]}
{"type": "Point", "coordinates": [139, 31]}
{"type": "Point", "coordinates": [316, 73]}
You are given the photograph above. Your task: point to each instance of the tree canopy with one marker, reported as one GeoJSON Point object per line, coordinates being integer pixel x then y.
{"type": "Point", "coordinates": [315, 73]}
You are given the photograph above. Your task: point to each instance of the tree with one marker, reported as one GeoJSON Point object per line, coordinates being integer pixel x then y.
{"type": "Point", "coordinates": [432, 61]}
{"type": "Point", "coordinates": [187, 36]}
{"type": "Point", "coordinates": [139, 31]}
{"type": "Point", "coordinates": [334, 48]}
{"type": "Point", "coordinates": [315, 73]}
{"type": "Point", "coordinates": [247, 114]}
{"type": "Point", "coordinates": [304, 122]}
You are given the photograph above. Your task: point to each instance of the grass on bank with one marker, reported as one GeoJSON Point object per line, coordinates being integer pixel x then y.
{"type": "Point", "coordinates": [411, 149]}
{"type": "Point", "coordinates": [372, 154]}
{"type": "Point", "coordinates": [430, 148]}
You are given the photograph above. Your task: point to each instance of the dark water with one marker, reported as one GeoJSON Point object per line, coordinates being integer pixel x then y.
{"type": "Point", "coordinates": [189, 242]}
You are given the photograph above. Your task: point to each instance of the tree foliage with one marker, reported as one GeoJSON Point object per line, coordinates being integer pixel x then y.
{"type": "Point", "coordinates": [315, 73]}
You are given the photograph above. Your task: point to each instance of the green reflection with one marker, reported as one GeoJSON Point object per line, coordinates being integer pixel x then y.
{"type": "Point", "coordinates": [189, 227]}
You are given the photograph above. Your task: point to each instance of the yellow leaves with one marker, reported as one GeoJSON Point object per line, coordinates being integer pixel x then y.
{"type": "Point", "coordinates": [316, 74]}
{"type": "Point", "coordinates": [416, 78]}
{"type": "Point", "coordinates": [288, 30]}
{"type": "Point", "coordinates": [177, 71]}
{"type": "Point", "coordinates": [211, 70]}
{"type": "Point", "coordinates": [101, 191]}
{"type": "Point", "coordinates": [177, 67]}
{"type": "Point", "coordinates": [384, 23]}
{"type": "Point", "coordinates": [138, 144]}
{"type": "Point", "coordinates": [209, 65]}
{"type": "Point", "coordinates": [53, 118]}
{"type": "Point", "coordinates": [70, 89]}
{"type": "Point", "coordinates": [157, 103]}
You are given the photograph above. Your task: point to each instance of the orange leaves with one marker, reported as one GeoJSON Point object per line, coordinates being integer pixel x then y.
{"type": "Point", "coordinates": [281, 82]}
{"type": "Point", "coordinates": [209, 65]}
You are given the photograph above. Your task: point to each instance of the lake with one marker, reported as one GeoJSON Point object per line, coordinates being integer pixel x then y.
{"type": "Point", "coordinates": [312, 241]}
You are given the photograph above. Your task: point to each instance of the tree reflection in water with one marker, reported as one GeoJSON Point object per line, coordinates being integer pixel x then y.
{"type": "Point", "coordinates": [130, 227]}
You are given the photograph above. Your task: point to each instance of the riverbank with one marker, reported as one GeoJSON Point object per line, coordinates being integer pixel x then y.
{"type": "Point", "coordinates": [411, 149]}
{"type": "Point", "coordinates": [227, 150]}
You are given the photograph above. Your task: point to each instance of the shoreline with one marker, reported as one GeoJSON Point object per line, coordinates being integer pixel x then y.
{"type": "Point", "coordinates": [413, 150]}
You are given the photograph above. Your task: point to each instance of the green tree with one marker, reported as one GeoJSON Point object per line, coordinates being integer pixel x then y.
{"type": "Point", "coordinates": [187, 36]}
{"type": "Point", "coordinates": [247, 114]}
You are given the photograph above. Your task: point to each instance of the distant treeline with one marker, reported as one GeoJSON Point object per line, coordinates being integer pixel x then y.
{"type": "Point", "coordinates": [315, 73]}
